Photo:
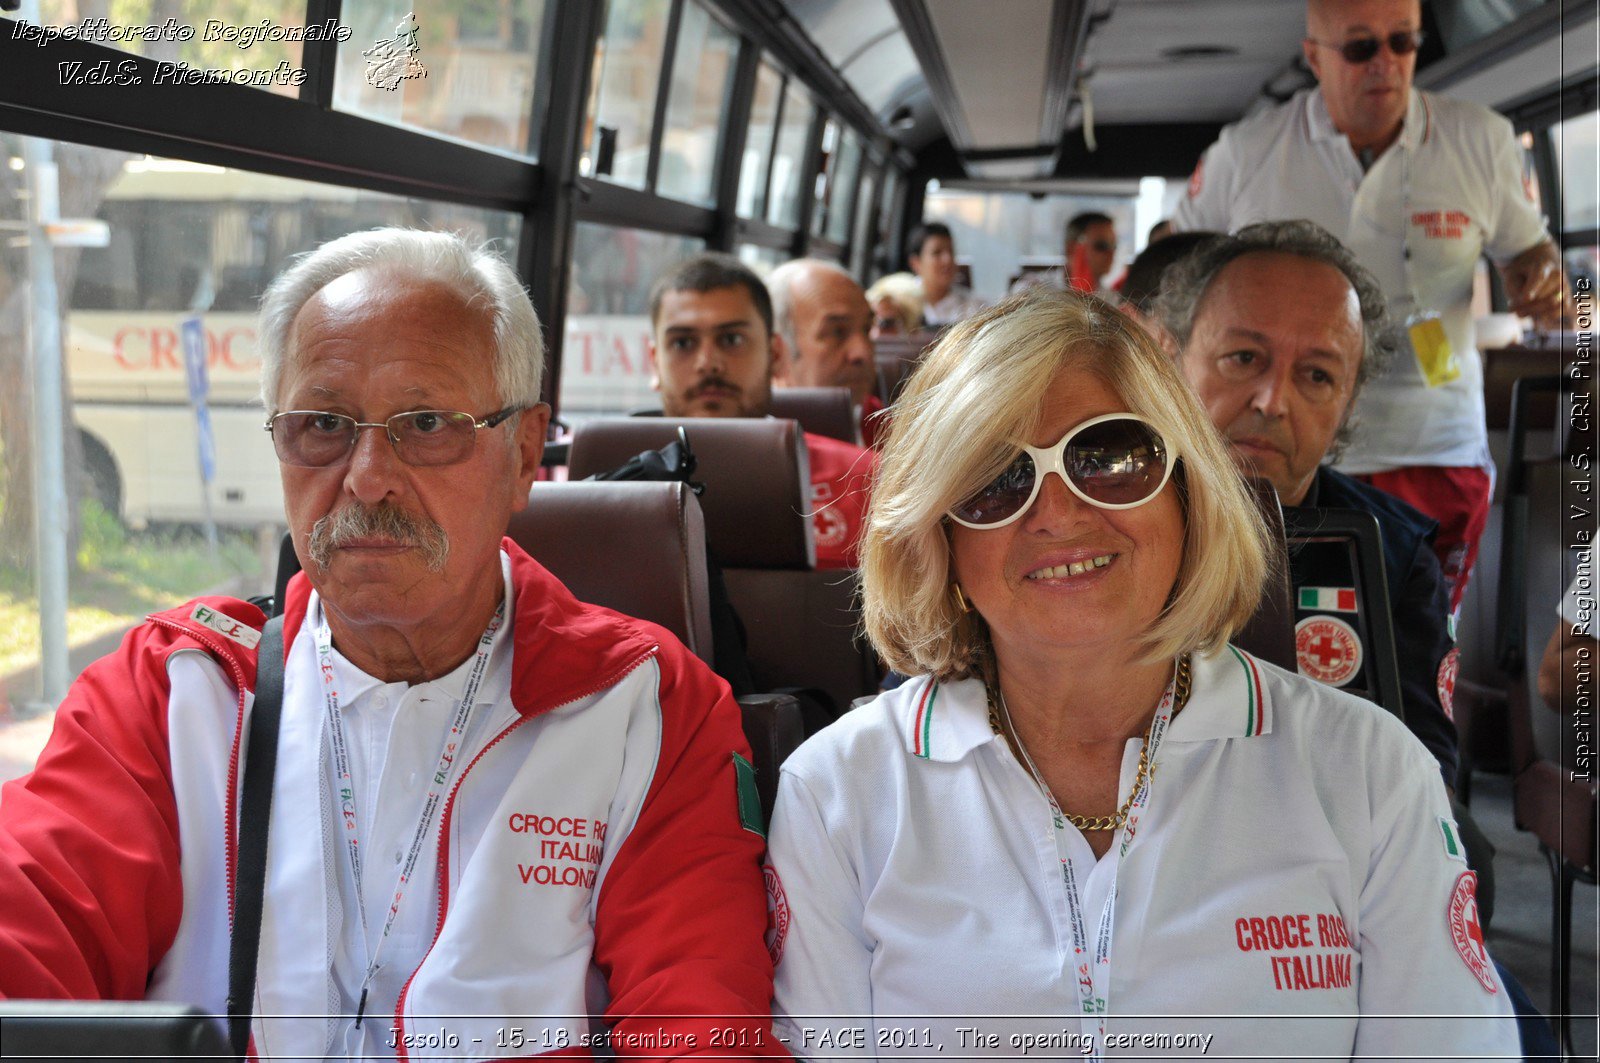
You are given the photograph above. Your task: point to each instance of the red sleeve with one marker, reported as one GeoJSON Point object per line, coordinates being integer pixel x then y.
{"type": "Point", "coordinates": [681, 922]}
{"type": "Point", "coordinates": [90, 889]}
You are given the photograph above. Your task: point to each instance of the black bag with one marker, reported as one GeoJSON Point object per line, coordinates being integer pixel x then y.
{"type": "Point", "coordinates": [675, 462]}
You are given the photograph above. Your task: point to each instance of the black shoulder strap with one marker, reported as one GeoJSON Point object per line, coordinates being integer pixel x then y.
{"type": "Point", "coordinates": [255, 812]}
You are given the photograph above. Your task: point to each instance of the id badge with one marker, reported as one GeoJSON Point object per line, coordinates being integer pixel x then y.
{"type": "Point", "coordinates": [1431, 346]}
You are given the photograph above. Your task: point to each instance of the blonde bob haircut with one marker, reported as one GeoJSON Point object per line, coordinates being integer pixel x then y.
{"type": "Point", "coordinates": [974, 400]}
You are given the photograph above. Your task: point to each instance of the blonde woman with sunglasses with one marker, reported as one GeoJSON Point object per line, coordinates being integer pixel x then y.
{"type": "Point", "coordinates": [1088, 825]}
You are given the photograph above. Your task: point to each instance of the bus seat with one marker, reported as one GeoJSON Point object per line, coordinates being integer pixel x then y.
{"type": "Point", "coordinates": [773, 727]}
{"type": "Point", "coordinates": [1546, 799]}
{"type": "Point", "coordinates": [1503, 367]}
{"type": "Point", "coordinates": [1358, 531]}
{"type": "Point", "coordinates": [801, 625]}
{"type": "Point", "coordinates": [897, 356]}
{"type": "Point", "coordinates": [1269, 634]}
{"type": "Point", "coordinates": [757, 464]}
{"type": "Point", "coordinates": [634, 546]}
{"type": "Point", "coordinates": [820, 411]}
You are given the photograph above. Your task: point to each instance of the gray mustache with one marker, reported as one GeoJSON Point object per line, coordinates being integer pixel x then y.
{"type": "Point", "coordinates": [386, 522]}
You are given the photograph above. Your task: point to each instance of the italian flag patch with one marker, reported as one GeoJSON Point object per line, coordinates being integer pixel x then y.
{"type": "Point", "coordinates": [1328, 599]}
{"type": "Point", "coordinates": [1452, 840]}
{"type": "Point", "coordinates": [750, 814]}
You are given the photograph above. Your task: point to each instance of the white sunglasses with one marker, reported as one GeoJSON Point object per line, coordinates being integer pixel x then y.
{"type": "Point", "coordinates": [1114, 461]}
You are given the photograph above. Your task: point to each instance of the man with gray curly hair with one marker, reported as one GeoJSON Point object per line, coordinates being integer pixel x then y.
{"type": "Point", "coordinates": [1277, 328]}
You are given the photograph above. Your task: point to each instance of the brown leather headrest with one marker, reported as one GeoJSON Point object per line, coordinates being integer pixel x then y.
{"type": "Point", "coordinates": [820, 411]}
{"type": "Point", "coordinates": [757, 496]}
{"type": "Point", "coordinates": [634, 546]}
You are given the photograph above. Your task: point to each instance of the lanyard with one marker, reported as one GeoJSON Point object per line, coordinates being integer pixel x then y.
{"type": "Point", "coordinates": [439, 785]}
{"type": "Point", "coordinates": [1094, 963]}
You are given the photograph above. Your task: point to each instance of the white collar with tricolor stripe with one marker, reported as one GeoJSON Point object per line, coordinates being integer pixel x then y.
{"type": "Point", "coordinates": [946, 721]}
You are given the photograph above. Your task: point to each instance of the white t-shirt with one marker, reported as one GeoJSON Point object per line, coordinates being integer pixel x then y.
{"type": "Point", "coordinates": [1451, 188]}
{"type": "Point", "coordinates": [958, 303]}
{"type": "Point", "coordinates": [1296, 868]}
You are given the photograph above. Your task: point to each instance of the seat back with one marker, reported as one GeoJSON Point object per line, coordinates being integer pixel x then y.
{"type": "Point", "coordinates": [635, 546]}
{"type": "Point", "coordinates": [801, 625]}
{"type": "Point", "coordinates": [756, 477]}
{"type": "Point", "coordinates": [1358, 531]}
{"type": "Point", "coordinates": [897, 356]}
{"type": "Point", "coordinates": [803, 632]}
{"type": "Point", "coordinates": [820, 411]}
{"type": "Point", "coordinates": [1269, 634]}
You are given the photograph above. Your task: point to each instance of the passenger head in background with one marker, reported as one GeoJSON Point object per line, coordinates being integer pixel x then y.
{"type": "Point", "coordinates": [824, 328]}
{"type": "Point", "coordinates": [711, 339]}
{"type": "Point", "coordinates": [1276, 328]}
{"type": "Point", "coordinates": [896, 302]}
{"type": "Point", "coordinates": [1091, 249]}
{"type": "Point", "coordinates": [1158, 232]}
{"type": "Point", "coordinates": [1366, 97]}
{"type": "Point", "coordinates": [931, 252]}
{"type": "Point", "coordinates": [1143, 282]}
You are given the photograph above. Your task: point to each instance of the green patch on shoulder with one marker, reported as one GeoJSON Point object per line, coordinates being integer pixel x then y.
{"type": "Point", "coordinates": [750, 817]}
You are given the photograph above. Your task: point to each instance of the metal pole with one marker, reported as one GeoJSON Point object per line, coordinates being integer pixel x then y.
{"type": "Point", "coordinates": [50, 515]}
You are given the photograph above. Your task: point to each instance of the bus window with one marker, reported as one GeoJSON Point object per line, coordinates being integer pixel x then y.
{"type": "Point", "coordinates": [627, 65]}
{"type": "Point", "coordinates": [605, 363]}
{"type": "Point", "coordinates": [1577, 143]}
{"type": "Point", "coordinates": [701, 70]}
{"type": "Point", "coordinates": [761, 259]}
{"type": "Point", "coordinates": [786, 198]}
{"type": "Point", "coordinates": [758, 142]}
{"type": "Point", "coordinates": [842, 186]}
{"type": "Point", "coordinates": [464, 70]}
{"type": "Point", "coordinates": [992, 229]}
{"type": "Point", "coordinates": [267, 62]}
{"type": "Point", "coordinates": [187, 238]}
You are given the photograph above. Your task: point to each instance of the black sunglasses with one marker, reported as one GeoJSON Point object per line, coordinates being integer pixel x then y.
{"type": "Point", "coordinates": [1364, 49]}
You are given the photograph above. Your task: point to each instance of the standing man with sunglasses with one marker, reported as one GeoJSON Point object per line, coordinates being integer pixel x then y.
{"type": "Point", "coordinates": [502, 821]}
{"type": "Point", "coordinates": [1419, 186]}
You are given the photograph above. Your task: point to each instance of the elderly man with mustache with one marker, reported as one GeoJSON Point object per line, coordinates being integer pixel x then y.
{"type": "Point", "coordinates": [502, 821]}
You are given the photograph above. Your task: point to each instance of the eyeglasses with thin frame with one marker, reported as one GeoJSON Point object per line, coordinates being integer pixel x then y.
{"type": "Point", "coordinates": [1365, 49]}
{"type": "Point", "coordinates": [1114, 461]}
{"type": "Point", "coordinates": [315, 439]}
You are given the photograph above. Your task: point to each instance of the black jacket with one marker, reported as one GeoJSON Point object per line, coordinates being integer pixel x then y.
{"type": "Point", "coordinates": [1418, 597]}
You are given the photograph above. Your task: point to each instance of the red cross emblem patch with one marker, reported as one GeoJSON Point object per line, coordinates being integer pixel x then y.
{"type": "Point", "coordinates": [1327, 650]}
{"type": "Point", "coordinates": [1448, 669]}
{"type": "Point", "coordinates": [777, 913]}
{"type": "Point", "coordinates": [1467, 932]}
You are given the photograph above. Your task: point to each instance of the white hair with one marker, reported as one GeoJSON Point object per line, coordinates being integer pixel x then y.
{"type": "Point", "coordinates": [780, 286]}
{"type": "Point", "coordinates": [479, 276]}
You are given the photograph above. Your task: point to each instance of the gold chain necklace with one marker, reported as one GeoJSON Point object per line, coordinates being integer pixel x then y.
{"type": "Point", "coordinates": [1088, 823]}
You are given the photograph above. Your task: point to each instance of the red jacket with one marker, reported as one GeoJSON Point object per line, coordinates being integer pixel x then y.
{"type": "Point", "coordinates": [117, 860]}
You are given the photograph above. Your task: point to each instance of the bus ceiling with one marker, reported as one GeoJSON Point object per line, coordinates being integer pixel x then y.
{"type": "Point", "coordinates": [1030, 92]}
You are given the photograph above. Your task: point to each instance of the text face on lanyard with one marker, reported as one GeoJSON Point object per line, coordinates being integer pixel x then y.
{"type": "Point", "coordinates": [438, 784]}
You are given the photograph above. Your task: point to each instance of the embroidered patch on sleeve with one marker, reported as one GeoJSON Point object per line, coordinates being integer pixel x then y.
{"type": "Point", "coordinates": [1452, 840]}
{"type": "Point", "coordinates": [1327, 649]}
{"type": "Point", "coordinates": [777, 913]}
{"type": "Point", "coordinates": [1449, 668]}
{"type": "Point", "coordinates": [223, 624]}
{"type": "Point", "coordinates": [750, 817]}
{"type": "Point", "coordinates": [1467, 931]}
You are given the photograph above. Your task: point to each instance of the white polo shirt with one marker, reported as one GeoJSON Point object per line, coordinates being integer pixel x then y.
{"type": "Point", "coordinates": [1451, 188]}
{"type": "Point", "coordinates": [958, 304]}
{"type": "Point", "coordinates": [1296, 882]}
